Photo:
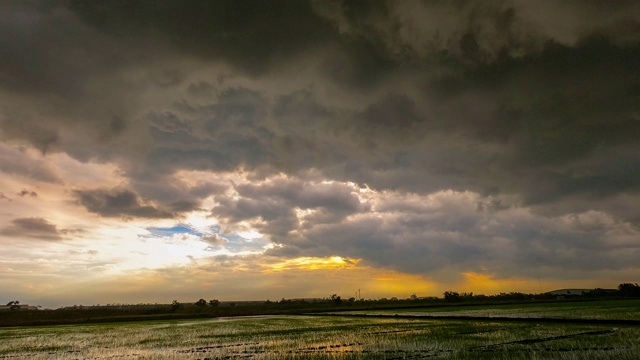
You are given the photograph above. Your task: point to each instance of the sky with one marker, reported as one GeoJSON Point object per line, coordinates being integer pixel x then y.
{"type": "Point", "coordinates": [254, 150]}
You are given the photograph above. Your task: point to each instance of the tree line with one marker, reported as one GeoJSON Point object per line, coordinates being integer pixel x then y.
{"type": "Point", "coordinates": [624, 290]}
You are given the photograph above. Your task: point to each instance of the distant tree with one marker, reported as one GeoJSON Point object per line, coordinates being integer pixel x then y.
{"type": "Point", "coordinates": [451, 296]}
{"type": "Point", "coordinates": [413, 297]}
{"type": "Point", "coordinates": [352, 300]}
{"type": "Point", "coordinates": [466, 296]}
{"type": "Point", "coordinates": [214, 303]}
{"type": "Point", "coordinates": [629, 290]}
{"type": "Point", "coordinates": [336, 299]}
{"type": "Point", "coordinates": [14, 304]}
{"type": "Point", "coordinates": [201, 302]}
{"type": "Point", "coordinates": [175, 305]}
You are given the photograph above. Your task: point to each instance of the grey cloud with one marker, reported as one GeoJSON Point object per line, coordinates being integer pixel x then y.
{"type": "Point", "coordinates": [37, 228]}
{"type": "Point", "coordinates": [251, 35]}
{"type": "Point", "coordinates": [280, 218]}
{"type": "Point", "coordinates": [26, 192]}
{"type": "Point", "coordinates": [538, 102]}
{"type": "Point", "coordinates": [16, 160]}
{"type": "Point", "coordinates": [492, 128]}
{"type": "Point", "coordinates": [335, 196]}
{"type": "Point", "coordinates": [204, 189]}
{"type": "Point", "coordinates": [58, 83]}
{"type": "Point", "coordinates": [275, 202]}
{"type": "Point", "coordinates": [184, 206]}
{"type": "Point", "coordinates": [543, 126]}
{"type": "Point", "coordinates": [472, 32]}
{"type": "Point", "coordinates": [201, 90]}
{"type": "Point", "coordinates": [174, 194]}
{"type": "Point", "coordinates": [117, 203]}
{"type": "Point", "coordinates": [400, 103]}
{"type": "Point", "coordinates": [450, 231]}
{"type": "Point", "coordinates": [357, 65]}
{"type": "Point", "coordinates": [224, 134]}
{"type": "Point", "coordinates": [214, 240]}
{"type": "Point", "coordinates": [394, 112]}
{"type": "Point", "coordinates": [43, 136]}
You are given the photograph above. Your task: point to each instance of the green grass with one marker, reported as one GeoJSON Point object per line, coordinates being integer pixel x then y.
{"type": "Point", "coordinates": [319, 337]}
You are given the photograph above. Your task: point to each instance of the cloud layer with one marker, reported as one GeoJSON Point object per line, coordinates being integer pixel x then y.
{"type": "Point", "coordinates": [430, 139]}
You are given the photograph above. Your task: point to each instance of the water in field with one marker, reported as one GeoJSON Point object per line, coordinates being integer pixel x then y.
{"type": "Point", "coordinates": [601, 310]}
{"type": "Point", "coordinates": [302, 337]}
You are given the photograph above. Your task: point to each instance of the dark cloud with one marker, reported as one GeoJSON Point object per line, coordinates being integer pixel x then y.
{"type": "Point", "coordinates": [17, 161]}
{"type": "Point", "coordinates": [422, 234]}
{"type": "Point", "coordinates": [470, 32]}
{"type": "Point", "coordinates": [395, 112]}
{"type": "Point", "coordinates": [37, 228]}
{"type": "Point", "coordinates": [176, 195]}
{"type": "Point", "coordinates": [223, 135]}
{"type": "Point", "coordinates": [450, 230]}
{"type": "Point", "coordinates": [535, 103]}
{"type": "Point", "coordinates": [276, 202]}
{"type": "Point", "coordinates": [43, 137]}
{"type": "Point", "coordinates": [120, 203]}
{"type": "Point", "coordinates": [252, 35]}
{"type": "Point", "coordinates": [184, 206]}
{"type": "Point", "coordinates": [25, 192]}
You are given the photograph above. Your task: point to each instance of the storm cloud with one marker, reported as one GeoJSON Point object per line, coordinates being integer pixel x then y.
{"type": "Point", "coordinates": [497, 137]}
{"type": "Point", "coordinates": [120, 203]}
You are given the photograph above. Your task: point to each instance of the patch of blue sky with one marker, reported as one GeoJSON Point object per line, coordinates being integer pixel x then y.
{"type": "Point", "coordinates": [178, 229]}
{"type": "Point", "coordinates": [236, 243]}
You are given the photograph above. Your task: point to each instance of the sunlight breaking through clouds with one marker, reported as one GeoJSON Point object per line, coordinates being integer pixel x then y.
{"type": "Point", "coordinates": [311, 263]}
{"type": "Point", "coordinates": [428, 141]}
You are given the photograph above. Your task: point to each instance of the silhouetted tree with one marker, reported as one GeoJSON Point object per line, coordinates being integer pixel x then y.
{"type": "Point", "coordinates": [214, 303]}
{"type": "Point", "coordinates": [175, 305]}
{"type": "Point", "coordinates": [201, 302]}
{"type": "Point", "coordinates": [336, 299]}
{"type": "Point", "coordinates": [451, 296]}
{"type": "Point", "coordinates": [14, 304]}
{"type": "Point", "coordinates": [629, 290]}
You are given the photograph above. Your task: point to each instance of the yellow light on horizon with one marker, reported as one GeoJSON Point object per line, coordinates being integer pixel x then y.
{"type": "Point", "coordinates": [477, 283]}
{"type": "Point", "coordinates": [312, 263]}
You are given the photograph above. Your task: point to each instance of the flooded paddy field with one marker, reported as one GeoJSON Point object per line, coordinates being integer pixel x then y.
{"type": "Point", "coordinates": [320, 337]}
{"type": "Point", "coordinates": [596, 310]}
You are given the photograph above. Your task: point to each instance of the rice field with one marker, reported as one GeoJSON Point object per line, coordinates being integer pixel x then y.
{"type": "Point", "coordinates": [599, 310]}
{"type": "Point", "coordinates": [320, 337]}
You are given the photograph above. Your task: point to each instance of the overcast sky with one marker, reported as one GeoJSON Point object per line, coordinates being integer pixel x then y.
{"type": "Point", "coordinates": [152, 151]}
